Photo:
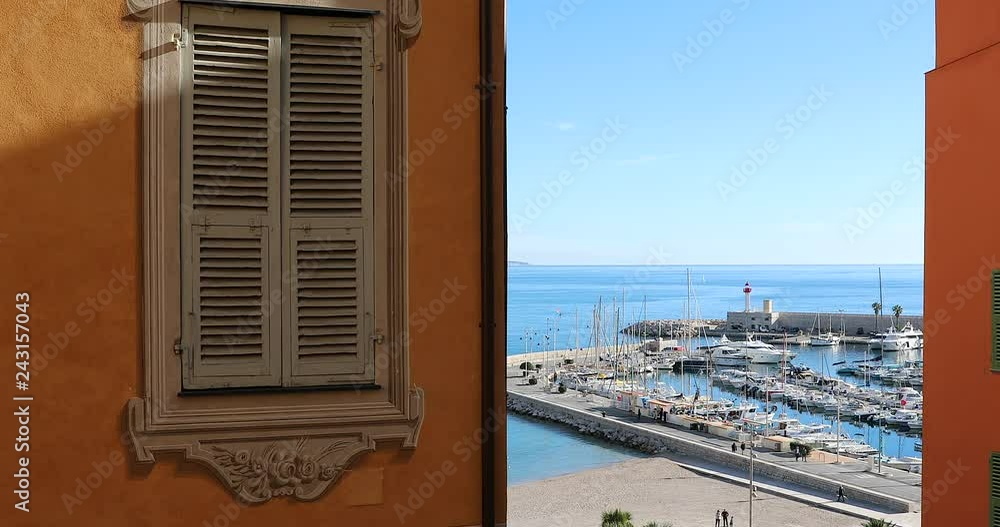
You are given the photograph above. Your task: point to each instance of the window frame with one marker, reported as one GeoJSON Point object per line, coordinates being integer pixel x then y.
{"type": "Point", "coordinates": [221, 429]}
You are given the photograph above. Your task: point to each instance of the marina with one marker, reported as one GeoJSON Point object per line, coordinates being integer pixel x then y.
{"type": "Point", "coordinates": [707, 443]}
{"type": "Point", "coordinates": [819, 406]}
{"type": "Point", "coordinates": [818, 390]}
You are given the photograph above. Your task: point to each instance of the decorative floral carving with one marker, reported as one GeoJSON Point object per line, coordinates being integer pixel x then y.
{"type": "Point", "coordinates": [280, 469]}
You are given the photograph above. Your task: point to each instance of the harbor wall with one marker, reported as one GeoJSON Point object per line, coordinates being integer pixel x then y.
{"type": "Point", "coordinates": [654, 442]}
{"type": "Point", "coordinates": [789, 320]}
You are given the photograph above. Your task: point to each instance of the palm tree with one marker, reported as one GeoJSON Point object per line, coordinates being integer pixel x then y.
{"type": "Point", "coordinates": [897, 311]}
{"type": "Point", "coordinates": [872, 522]}
{"type": "Point", "coordinates": [654, 524]}
{"type": "Point", "coordinates": [616, 518]}
{"type": "Point", "coordinates": [877, 308]}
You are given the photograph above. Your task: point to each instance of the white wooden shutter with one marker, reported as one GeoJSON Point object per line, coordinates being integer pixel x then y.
{"type": "Point", "coordinates": [327, 194]}
{"type": "Point", "coordinates": [230, 198]}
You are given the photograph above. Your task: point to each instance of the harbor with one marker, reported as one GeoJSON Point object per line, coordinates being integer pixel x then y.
{"type": "Point", "coordinates": [709, 441]}
{"type": "Point", "coordinates": [870, 403]}
{"type": "Point", "coordinates": [756, 393]}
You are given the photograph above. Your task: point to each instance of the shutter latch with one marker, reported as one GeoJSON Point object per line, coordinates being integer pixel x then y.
{"type": "Point", "coordinates": [180, 39]}
{"type": "Point", "coordinates": [378, 338]}
{"type": "Point", "coordinates": [179, 348]}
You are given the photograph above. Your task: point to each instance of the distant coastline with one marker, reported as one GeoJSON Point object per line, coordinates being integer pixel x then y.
{"type": "Point", "coordinates": [516, 263]}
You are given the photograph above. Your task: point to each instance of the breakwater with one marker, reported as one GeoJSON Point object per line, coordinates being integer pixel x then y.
{"type": "Point", "coordinates": [792, 323]}
{"type": "Point", "coordinates": [584, 415]}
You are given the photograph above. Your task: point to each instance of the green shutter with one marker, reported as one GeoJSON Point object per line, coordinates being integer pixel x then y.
{"type": "Point", "coordinates": [995, 490]}
{"type": "Point", "coordinates": [995, 305]}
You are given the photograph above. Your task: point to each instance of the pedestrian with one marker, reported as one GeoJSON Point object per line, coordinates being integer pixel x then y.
{"type": "Point", "coordinates": [718, 517]}
{"type": "Point", "coordinates": [840, 494]}
{"type": "Point", "coordinates": [734, 447]}
{"type": "Point", "coordinates": [725, 518]}
{"type": "Point", "coordinates": [743, 448]}
{"type": "Point", "coordinates": [796, 455]}
{"type": "Point", "coordinates": [732, 520]}
{"type": "Point", "coordinates": [755, 491]}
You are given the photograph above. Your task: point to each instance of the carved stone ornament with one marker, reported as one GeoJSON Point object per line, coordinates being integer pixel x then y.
{"type": "Point", "coordinates": [409, 17]}
{"type": "Point", "coordinates": [267, 445]}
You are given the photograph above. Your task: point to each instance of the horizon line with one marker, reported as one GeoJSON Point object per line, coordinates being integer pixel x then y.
{"type": "Point", "coordinates": [518, 263]}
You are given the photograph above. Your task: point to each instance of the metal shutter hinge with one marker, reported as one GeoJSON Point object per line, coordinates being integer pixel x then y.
{"type": "Point", "coordinates": [179, 348]}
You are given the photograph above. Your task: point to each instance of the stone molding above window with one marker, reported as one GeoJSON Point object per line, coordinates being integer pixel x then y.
{"type": "Point", "coordinates": [264, 444]}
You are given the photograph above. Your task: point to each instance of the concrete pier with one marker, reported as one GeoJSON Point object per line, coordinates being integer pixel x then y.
{"type": "Point", "coordinates": [892, 491]}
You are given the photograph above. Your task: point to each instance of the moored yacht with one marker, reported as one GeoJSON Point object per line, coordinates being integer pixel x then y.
{"type": "Point", "coordinates": [728, 356]}
{"type": "Point", "coordinates": [758, 352]}
{"type": "Point", "coordinates": [897, 339]}
{"type": "Point", "coordinates": [824, 339]}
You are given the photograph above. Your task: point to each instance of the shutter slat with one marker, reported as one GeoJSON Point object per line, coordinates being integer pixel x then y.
{"type": "Point", "coordinates": [231, 73]}
{"type": "Point", "coordinates": [333, 81]}
{"type": "Point", "coordinates": [230, 63]}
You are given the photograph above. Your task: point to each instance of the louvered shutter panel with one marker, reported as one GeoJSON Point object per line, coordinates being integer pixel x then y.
{"type": "Point", "coordinates": [995, 490]}
{"type": "Point", "coordinates": [230, 198]}
{"type": "Point", "coordinates": [995, 319]}
{"type": "Point", "coordinates": [328, 198]}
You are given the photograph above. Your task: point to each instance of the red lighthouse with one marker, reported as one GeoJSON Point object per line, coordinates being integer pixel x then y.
{"type": "Point", "coordinates": [746, 291]}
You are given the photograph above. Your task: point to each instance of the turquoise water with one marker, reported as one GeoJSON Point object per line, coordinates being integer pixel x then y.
{"type": "Point", "coordinates": [544, 299]}
{"type": "Point", "coordinates": [540, 450]}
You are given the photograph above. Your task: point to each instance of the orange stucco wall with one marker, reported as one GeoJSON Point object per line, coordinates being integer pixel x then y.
{"type": "Point", "coordinates": [964, 26]}
{"type": "Point", "coordinates": [70, 83]}
{"type": "Point", "coordinates": [962, 247]}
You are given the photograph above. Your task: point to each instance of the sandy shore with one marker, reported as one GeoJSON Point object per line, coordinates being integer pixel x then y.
{"type": "Point", "coordinates": [654, 489]}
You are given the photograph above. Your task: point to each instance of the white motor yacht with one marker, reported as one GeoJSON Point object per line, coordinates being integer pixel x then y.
{"type": "Point", "coordinates": [893, 340]}
{"type": "Point", "coordinates": [759, 352]}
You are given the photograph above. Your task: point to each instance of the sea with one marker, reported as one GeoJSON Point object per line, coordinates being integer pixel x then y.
{"type": "Point", "coordinates": [550, 307]}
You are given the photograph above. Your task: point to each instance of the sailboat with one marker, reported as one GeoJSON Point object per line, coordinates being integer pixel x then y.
{"type": "Point", "coordinates": [824, 339]}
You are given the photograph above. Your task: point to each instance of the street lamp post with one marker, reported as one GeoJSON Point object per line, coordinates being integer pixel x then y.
{"type": "Point", "coordinates": [838, 431]}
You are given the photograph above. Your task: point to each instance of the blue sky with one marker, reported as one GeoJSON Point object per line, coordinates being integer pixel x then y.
{"type": "Point", "coordinates": [717, 131]}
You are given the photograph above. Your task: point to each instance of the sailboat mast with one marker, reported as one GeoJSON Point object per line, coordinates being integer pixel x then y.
{"type": "Point", "coordinates": [688, 314]}
{"type": "Point", "coordinates": [878, 319]}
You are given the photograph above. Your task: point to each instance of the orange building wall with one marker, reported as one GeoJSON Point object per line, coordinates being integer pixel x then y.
{"type": "Point", "coordinates": [69, 88]}
{"type": "Point", "coordinates": [962, 247]}
{"type": "Point", "coordinates": [965, 26]}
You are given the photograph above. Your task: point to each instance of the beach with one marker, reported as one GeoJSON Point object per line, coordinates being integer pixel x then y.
{"type": "Point", "coordinates": [654, 489]}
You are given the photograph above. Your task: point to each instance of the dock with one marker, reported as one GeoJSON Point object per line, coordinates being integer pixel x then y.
{"type": "Point", "coordinates": [892, 491]}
